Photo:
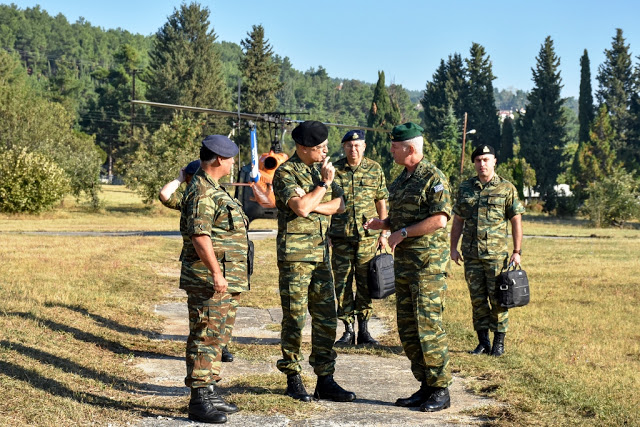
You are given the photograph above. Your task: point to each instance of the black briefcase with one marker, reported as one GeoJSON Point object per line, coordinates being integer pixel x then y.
{"type": "Point", "coordinates": [512, 287]}
{"type": "Point", "coordinates": [381, 278]}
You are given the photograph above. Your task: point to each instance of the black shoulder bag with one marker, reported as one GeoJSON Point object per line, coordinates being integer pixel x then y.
{"type": "Point", "coordinates": [512, 287]}
{"type": "Point", "coordinates": [381, 278]}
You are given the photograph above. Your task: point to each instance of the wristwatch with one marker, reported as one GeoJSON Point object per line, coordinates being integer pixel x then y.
{"type": "Point", "coordinates": [519, 252]}
{"type": "Point", "coordinates": [403, 232]}
{"type": "Point", "coordinates": [322, 184]}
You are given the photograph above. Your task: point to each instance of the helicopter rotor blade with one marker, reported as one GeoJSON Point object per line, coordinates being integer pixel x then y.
{"type": "Point", "coordinates": [339, 125]}
{"type": "Point", "coordinates": [246, 116]}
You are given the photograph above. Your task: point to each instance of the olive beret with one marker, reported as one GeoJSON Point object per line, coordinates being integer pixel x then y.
{"type": "Point", "coordinates": [221, 145]}
{"type": "Point", "coordinates": [406, 131]}
{"type": "Point", "coordinates": [310, 133]}
{"type": "Point", "coordinates": [482, 149]}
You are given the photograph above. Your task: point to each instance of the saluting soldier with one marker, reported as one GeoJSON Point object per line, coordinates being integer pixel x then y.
{"type": "Point", "coordinates": [305, 197]}
{"type": "Point", "coordinates": [171, 196]}
{"type": "Point", "coordinates": [485, 203]}
{"type": "Point", "coordinates": [419, 208]}
{"type": "Point", "coordinates": [365, 194]}
{"type": "Point", "coordinates": [214, 274]}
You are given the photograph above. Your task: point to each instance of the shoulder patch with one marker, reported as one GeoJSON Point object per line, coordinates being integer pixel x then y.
{"type": "Point", "coordinates": [438, 188]}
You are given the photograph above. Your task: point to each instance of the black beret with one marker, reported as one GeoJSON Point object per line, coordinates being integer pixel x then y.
{"type": "Point", "coordinates": [192, 167]}
{"type": "Point", "coordinates": [310, 133]}
{"type": "Point", "coordinates": [353, 135]}
{"type": "Point", "coordinates": [221, 145]}
{"type": "Point", "coordinates": [482, 149]}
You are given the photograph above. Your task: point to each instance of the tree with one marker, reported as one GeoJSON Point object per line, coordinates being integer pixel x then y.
{"type": "Point", "coordinates": [613, 201]}
{"type": "Point", "coordinates": [185, 66]}
{"type": "Point", "coordinates": [383, 114]}
{"type": "Point", "coordinates": [585, 101]}
{"type": "Point", "coordinates": [260, 79]}
{"type": "Point", "coordinates": [507, 139]}
{"type": "Point", "coordinates": [480, 102]}
{"type": "Point", "coordinates": [542, 128]}
{"type": "Point", "coordinates": [616, 89]}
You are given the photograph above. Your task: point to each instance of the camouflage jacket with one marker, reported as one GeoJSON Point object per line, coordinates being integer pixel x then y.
{"type": "Point", "coordinates": [175, 201]}
{"type": "Point", "coordinates": [363, 187]}
{"type": "Point", "coordinates": [485, 210]}
{"type": "Point", "coordinates": [413, 198]}
{"type": "Point", "coordinates": [208, 209]}
{"type": "Point", "coordinates": [299, 238]}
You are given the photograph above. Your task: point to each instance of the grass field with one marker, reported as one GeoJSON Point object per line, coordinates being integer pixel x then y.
{"type": "Point", "coordinates": [76, 312]}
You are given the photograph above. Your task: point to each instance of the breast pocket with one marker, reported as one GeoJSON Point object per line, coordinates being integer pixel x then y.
{"type": "Point", "coordinates": [495, 207]}
{"type": "Point", "coordinates": [230, 217]}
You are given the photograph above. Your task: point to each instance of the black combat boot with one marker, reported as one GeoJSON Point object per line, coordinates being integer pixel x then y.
{"type": "Point", "coordinates": [349, 336]}
{"type": "Point", "coordinates": [484, 346]}
{"type": "Point", "coordinates": [226, 355]}
{"type": "Point", "coordinates": [498, 344]}
{"type": "Point", "coordinates": [218, 402]}
{"type": "Point", "coordinates": [438, 400]}
{"type": "Point", "coordinates": [327, 388]}
{"type": "Point", "coordinates": [417, 398]}
{"type": "Point", "coordinates": [202, 409]}
{"type": "Point", "coordinates": [295, 388]}
{"type": "Point", "coordinates": [364, 337]}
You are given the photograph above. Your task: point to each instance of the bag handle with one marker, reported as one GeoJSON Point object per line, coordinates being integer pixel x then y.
{"type": "Point", "coordinates": [380, 250]}
{"type": "Point", "coordinates": [511, 266]}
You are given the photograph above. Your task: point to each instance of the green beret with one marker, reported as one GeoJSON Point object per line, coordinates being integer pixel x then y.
{"type": "Point", "coordinates": [406, 131]}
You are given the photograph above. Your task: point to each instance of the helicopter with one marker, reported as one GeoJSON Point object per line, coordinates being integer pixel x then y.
{"type": "Point", "coordinates": [254, 181]}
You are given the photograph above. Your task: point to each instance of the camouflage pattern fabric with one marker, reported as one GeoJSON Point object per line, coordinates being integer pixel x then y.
{"type": "Point", "coordinates": [363, 186]}
{"type": "Point", "coordinates": [208, 312]}
{"type": "Point", "coordinates": [420, 268]}
{"type": "Point", "coordinates": [305, 270]}
{"type": "Point", "coordinates": [207, 209]}
{"type": "Point", "coordinates": [353, 246]}
{"type": "Point", "coordinates": [307, 285]}
{"type": "Point", "coordinates": [299, 238]}
{"type": "Point", "coordinates": [174, 201]}
{"type": "Point", "coordinates": [481, 279]}
{"type": "Point", "coordinates": [350, 258]}
{"type": "Point", "coordinates": [486, 210]}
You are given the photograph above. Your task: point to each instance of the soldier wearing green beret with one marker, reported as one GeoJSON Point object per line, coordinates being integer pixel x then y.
{"type": "Point", "coordinates": [365, 194]}
{"type": "Point", "coordinates": [306, 196]}
{"type": "Point", "coordinates": [485, 204]}
{"type": "Point", "coordinates": [214, 274]}
{"type": "Point", "coordinates": [419, 208]}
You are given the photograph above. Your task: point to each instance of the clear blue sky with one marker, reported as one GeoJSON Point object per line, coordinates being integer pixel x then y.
{"type": "Point", "coordinates": [406, 39]}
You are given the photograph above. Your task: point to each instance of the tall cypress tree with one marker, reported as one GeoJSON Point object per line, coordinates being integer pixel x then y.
{"type": "Point", "coordinates": [615, 77]}
{"type": "Point", "coordinates": [585, 101]}
{"type": "Point", "coordinates": [435, 102]}
{"type": "Point", "coordinates": [185, 66]}
{"type": "Point", "coordinates": [260, 82]}
{"type": "Point", "coordinates": [542, 129]}
{"type": "Point", "coordinates": [481, 103]}
{"type": "Point", "coordinates": [507, 139]}
{"type": "Point", "coordinates": [383, 114]}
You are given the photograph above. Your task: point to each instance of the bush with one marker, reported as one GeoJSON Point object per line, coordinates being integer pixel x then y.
{"type": "Point", "coordinates": [613, 201]}
{"type": "Point", "coordinates": [29, 182]}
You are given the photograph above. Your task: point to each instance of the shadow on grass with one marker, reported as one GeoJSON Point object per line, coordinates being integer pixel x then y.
{"type": "Point", "coordinates": [107, 323]}
{"type": "Point", "coordinates": [74, 368]}
{"type": "Point", "coordinates": [85, 336]}
{"type": "Point", "coordinates": [56, 388]}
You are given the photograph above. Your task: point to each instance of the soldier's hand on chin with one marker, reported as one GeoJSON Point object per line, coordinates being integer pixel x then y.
{"type": "Point", "coordinates": [327, 171]}
{"type": "Point", "coordinates": [220, 283]}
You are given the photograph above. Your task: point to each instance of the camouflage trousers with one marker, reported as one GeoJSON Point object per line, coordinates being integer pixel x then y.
{"type": "Point", "coordinates": [481, 279]}
{"type": "Point", "coordinates": [211, 319]}
{"type": "Point", "coordinates": [349, 259]}
{"type": "Point", "coordinates": [307, 285]}
{"type": "Point", "coordinates": [420, 303]}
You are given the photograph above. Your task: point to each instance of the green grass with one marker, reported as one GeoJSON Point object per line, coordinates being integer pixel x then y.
{"type": "Point", "coordinates": [77, 312]}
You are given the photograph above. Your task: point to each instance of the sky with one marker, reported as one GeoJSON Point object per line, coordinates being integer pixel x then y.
{"type": "Point", "coordinates": [405, 39]}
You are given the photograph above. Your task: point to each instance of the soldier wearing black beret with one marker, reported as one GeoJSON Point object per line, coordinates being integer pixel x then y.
{"type": "Point", "coordinates": [306, 197]}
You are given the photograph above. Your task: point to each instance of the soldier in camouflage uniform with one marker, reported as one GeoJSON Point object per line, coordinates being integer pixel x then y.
{"type": "Point", "coordinates": [214, 273]}
{"type": "Point", "coordinates": [305, 197]}
{"type": "Point", "coordinates": [365, 194]}
{"type": "Point", "coordinates": [171, 196]}
{"type": "Point", "coordinates": [485, 203]}
{"type": "Point", "coordinates": [419, 208]}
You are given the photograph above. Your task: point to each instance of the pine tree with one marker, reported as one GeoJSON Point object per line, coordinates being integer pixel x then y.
{"type": "Point", "coordinates": [507, 139]}
{"type": "Point", "coordinates": [260, 81]}
{"type": "Point", "coordinates": [585, 101]}
{"type": "Point", "coordinates": [481, 104]}
{"type": "Point", "coordinates": [185, 66]}
{"type": "Point", "coordinates": [435, 102]}
{"type": "Point", "coordinates": [542, 129]}
{"type": "Point", "coordinates": [383, 114]}
{"type": "Point", "coordinates": [615, 77]}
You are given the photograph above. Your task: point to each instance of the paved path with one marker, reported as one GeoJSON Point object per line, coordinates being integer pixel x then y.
{"type": "Point", "coordinates": [377, 381]}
